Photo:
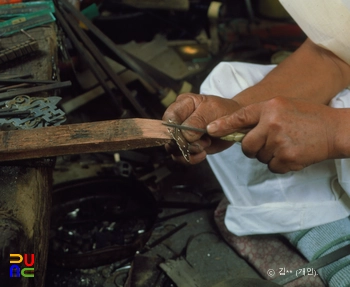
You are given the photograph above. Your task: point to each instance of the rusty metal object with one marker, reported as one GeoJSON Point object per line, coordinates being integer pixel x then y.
{"type": "Point", "coordinates": [18, 51]}
{"type": "Point", "coordinates": [99, 221]}
{"type": "Point", "coordinates": [180, 140]}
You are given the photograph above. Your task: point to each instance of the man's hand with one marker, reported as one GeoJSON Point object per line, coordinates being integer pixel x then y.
{"type": "Point", "coordinates": [198, 111]}
{"type": "Point", "coordinates": [286, 134]}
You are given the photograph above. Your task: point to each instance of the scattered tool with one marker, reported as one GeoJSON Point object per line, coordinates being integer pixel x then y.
{"type": "Point", "coordinates": [96, 68]}
{"type": "Point", "coordinates": [15, 76]}
{"type": "Point", "coordinates": [38, 112]}
{"type": "Point", "coordinates": [43, 88]}
{"type": "Point", "coordinates": [165, 94]}
{"type": "Point", "coordinates": [26, 81]}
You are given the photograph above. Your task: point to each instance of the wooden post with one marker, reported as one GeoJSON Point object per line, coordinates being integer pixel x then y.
{"type": "Point", "coordinates": [25, 189]}
{"type": "Point", "coordinates": [24, 219]}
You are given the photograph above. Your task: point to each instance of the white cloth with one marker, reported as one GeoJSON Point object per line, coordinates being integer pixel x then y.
{"type": "Point", "coordinates": [263, 202]}
{"type": "Point", "coordinates": [325, 22]}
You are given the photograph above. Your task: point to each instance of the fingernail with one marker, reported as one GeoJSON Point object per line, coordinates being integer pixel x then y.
{"type": "Point", "coordinates": [212, 128]}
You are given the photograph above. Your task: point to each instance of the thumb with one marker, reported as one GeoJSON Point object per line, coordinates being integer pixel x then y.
{"type": "Point", "coordinates": [242, 120]}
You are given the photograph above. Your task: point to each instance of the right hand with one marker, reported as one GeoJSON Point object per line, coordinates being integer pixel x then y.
{"type": "Point", "coordinates": [288, 134]}
{"type": "Point", "coordinates": [198, 111]}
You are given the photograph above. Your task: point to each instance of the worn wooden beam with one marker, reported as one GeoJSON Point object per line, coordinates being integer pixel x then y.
{"type": "Point", "coordinates": [113, 135]}
{"type": "Point", "coordinates": [25, 186]}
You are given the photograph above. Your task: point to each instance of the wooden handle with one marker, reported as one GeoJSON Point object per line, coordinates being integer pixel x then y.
{"type": "Point", "coordinates": [114, 135]}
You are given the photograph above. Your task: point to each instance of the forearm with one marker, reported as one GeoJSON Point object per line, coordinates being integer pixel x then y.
{"type": "Point", "coordinates": [310, 73]}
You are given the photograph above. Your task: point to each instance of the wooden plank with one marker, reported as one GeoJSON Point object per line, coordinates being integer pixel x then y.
{"type": "Point", "coordinates": [114, 135]}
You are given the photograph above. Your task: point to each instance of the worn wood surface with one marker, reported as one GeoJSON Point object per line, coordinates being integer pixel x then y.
{"type": "Point", "coordinates": [182, 273]}
{"type": "Point", "coordinates": [114, 135]}
{"type": "Point", "coordinates": [25, 189]}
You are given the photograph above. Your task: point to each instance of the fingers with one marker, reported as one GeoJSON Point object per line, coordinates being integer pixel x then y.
{"type": "Point", "coordinates": [194, 158]}
{"type": "Point", "coordinates": [197, 111]}
{"type": "Point", "coordinates": [277, 165]}
{"type": "Point", "coordinates": [183, 111]}
{"type": "Point", "coordinates": [242, 120]}
{"type": "Point", "coordinates": [196, 149]}
{"type": "Point", "coordinates": [272, 136]}
{"type": "Point", "coordinates": [182, 108]}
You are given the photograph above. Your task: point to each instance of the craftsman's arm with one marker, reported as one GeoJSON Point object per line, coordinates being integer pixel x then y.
{"type": "Point", "coordinates": [310, 73]}
{"type": "Point", "coordinates": [291, 127]}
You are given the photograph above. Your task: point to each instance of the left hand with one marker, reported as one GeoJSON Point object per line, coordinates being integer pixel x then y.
{"type": "Point", "coordinates": [197, 111]}
{"type": "Point", "coordinates": [286, 134]}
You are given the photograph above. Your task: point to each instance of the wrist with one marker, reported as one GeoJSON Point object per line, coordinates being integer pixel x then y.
{"type": "Point", "coordinates": [339, 135]}
{"type": "Point", "coordinates": [252, 95]}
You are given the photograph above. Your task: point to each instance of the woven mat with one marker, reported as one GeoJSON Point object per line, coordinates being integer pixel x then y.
{"type": "Point", "coordinates": [270, 255]}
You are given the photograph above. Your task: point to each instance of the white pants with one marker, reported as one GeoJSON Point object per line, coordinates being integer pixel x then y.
{"type": "Point", "coordinates": [262, 202]}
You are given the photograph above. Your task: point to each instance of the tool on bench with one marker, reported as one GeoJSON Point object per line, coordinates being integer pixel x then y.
{"type": "Point", "coordinates": [43, 88]}
{"type": "Point", "coordinates": [184, 145]}
{"type": "Point", "coordinates": [20, 9]}
{"type": "Point", "coordinates": [11, 87]}
{"type": "Point", "coordinates": [39, 112]}
{"type": "Point", "coordinates": [25, 22]}
{"type": "Point", "coordinates": [26, 81]}
{"type": "Point", "coordinates": [15, 76]}
{"type": "Point", "coordinates": [19, 50]}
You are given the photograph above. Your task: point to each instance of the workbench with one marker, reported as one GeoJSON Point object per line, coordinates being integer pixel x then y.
{"type": "Point", "coordinates": [25, 186]}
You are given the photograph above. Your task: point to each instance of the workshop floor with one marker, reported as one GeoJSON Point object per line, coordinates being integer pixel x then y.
{"type": "Point", "coordinates": [199, 241]}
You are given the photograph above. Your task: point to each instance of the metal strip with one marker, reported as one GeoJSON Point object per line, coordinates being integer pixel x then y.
{"type": "Point", "coordinates": [11, 94]}
{"type": "Point", "coordinates": [29, 81]}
